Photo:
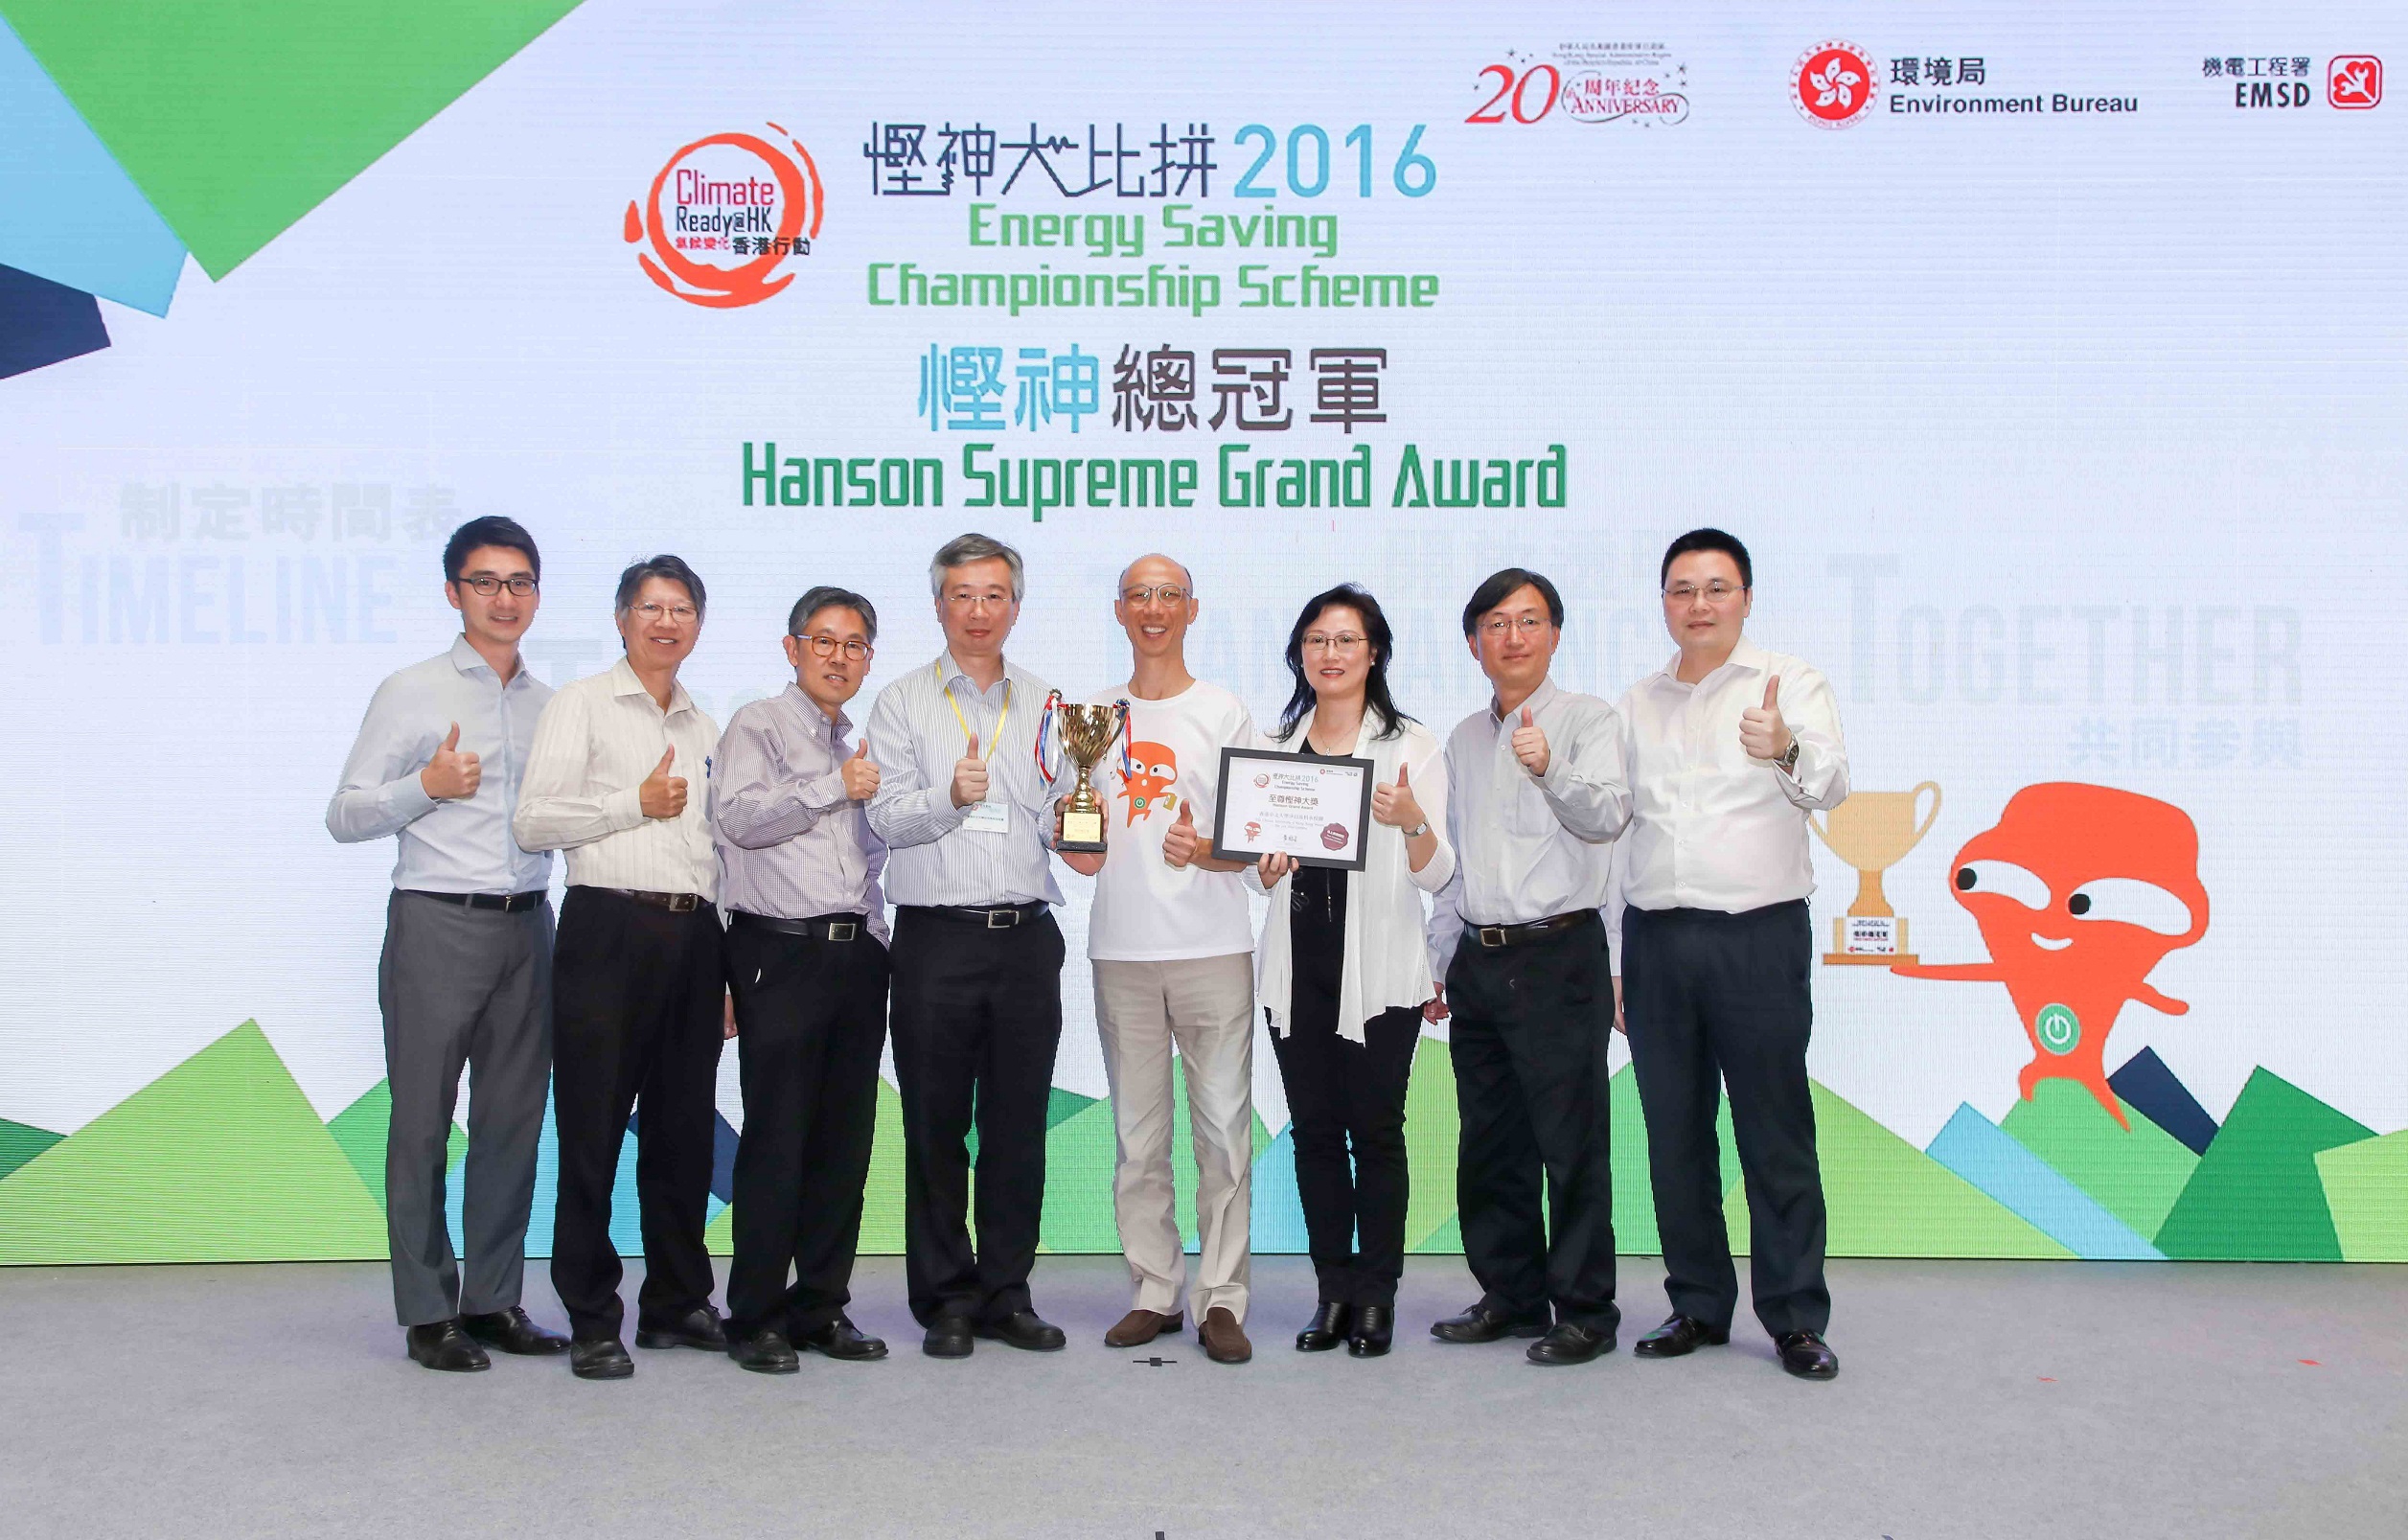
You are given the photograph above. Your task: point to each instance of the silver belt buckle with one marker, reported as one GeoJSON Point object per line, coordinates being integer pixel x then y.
{"type": "Point", "coordinates": [1003, 919]}
{"type": "Point", "coordinates": [684, 903]}
{"type": "Point", "coordinates": [1492, 935]}
{"type": "Point", "coordinates": [842, 930]}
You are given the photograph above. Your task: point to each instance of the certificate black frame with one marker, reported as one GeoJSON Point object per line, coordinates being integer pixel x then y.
{"type": "Point", "coordinates": [1230, 758]}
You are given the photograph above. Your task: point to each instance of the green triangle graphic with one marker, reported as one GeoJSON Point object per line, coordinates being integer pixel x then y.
{"type": "Point", "coordinates": [1062, 1104]}
{"type": "Point", "coordinates": [2256, 1195]}
{"type": "Point", "coordinates": [219, 1160]}
{"type": "Point", "coordinates": [1886, 1198]}
{"type": "Point", "coordinates": [1447, 1240]}
{"type": "Point", "coordinates": [1433, 1127]}
{"type": "Point", "coordinates": [359, 1130]}
{"type": "Point", "coordinates": [20, 1142]}
{"type": "Point", "coordinates": [718, 1237]}
{"type": "Point", "coordinates": [237, 120]}
{"type": "Point", "coordinates": [1080, 1151]}
{"type": "Point", "coordinates": [882, 1196]}
{"type": "Point", "coordinates": [2366, 1186]}
{"type": "Point", "coordinates": [2135, 1174]}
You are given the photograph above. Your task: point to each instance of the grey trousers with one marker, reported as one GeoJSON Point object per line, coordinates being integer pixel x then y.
{"type": "Point", "coordinates": [462, 986]}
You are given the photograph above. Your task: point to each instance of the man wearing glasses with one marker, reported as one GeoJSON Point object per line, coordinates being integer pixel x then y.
{"type": "Point", "coordinates": [806, 959]}
{"type": "Point", "coordinates": [1728, 748]}
{"type": "Point", "coordinates": [1538, 790]}
{"type": "Point", "coordinates": [1172, 944]}
{"type": "Point", "coordinates": [467, 967]}
{"type": "Point", "coordinates": [637, 979]}
{"type": "Point", "coordinates": [968, 823]}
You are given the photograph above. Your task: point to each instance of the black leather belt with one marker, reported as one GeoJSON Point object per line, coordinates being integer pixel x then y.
{"type": "Point", "coordinates": [819, 928]}
{"type": "Point", "coordinates": [1515, 936]}
{"type": "Point", "coordinates": [673, 903]}
{"type": "Point", "coordinates": [998, 917]}
{"type": "Point", "coordinates": [507, 902]}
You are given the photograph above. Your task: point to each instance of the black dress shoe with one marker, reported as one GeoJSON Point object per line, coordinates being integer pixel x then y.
{"type": "Point", "coordinates": [1678, 1336]}
{"type": "Point", "coordinates": [764, 1353]}
{"type": "Point", "coordinates": [1375, 1326]}
{"type": "Point", "coordinates": [1484, 1323]}
{"type": "Point", "coordinates": [838, 1338]}
{"type": "Point", "coordinates": [600, 1358]}
{"type": "Point", "coordinates": [1569, 1342]}
{"type": "Point", "coordinates": [697, 1328]}
{"type": "Point", "coordinates": [1806, 1355]}
{"type": "Point", "coordinates": [1023, 1328]}
{"type": "Point", "coordinates": [949, 1337]}
{"type": "Point", "coordinates": [513, 1332]}
{"type": "Point", "coordinates": [1326, 1329]}
{"type": "Point", "coordinates": [440, 1344]}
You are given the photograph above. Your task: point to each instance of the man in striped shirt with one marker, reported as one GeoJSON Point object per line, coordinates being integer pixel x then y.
{"type": "Point", "coordinates": [968, 822]}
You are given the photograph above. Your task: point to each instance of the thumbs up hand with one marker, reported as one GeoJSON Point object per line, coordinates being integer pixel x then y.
{"type": "Point", "coordinates": [1179, 841]}
{"type": "Point", "coordinates": [1394, 805]}
{"type": "Point", "coordinates": [662, 796]}
{"type": "Point", "coordinates": [1762, 733]}
{"type": "Point", "coordinates": [861, 776]}
{"type": "Point", "coordinates": [452, 776]}
{"type": "Point", "coordinates": [969, 776]}
{"type": "Point", "coordinates": [1529, 745]}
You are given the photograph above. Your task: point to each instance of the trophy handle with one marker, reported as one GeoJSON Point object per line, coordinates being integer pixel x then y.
{"type": "Point", "coordinates": [1929, 819]}
{"type": "Point", "coordinates": [1822, 834]}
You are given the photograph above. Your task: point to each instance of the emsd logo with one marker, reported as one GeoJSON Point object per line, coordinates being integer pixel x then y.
{"type": "Point", "coordinates": [724, 215]}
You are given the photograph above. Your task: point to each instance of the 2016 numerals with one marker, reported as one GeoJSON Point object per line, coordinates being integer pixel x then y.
{"type": "Point", "coordinates": [1310, 161]}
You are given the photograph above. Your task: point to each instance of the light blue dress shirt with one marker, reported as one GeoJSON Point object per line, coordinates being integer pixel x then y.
{"type": "Point", "coordinates": [915, 738]}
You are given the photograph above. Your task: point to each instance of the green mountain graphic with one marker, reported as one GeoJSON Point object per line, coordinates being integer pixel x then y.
{"type": "Point", "coordinates": [20, 1142]}
{"type": "Point", "coordinates": [2256, 1195]}
{"type": "Point", "coordinates": [2135, 1174]}
{"type": "Point", "coordinates": [221, 1158]}
{"type": "Point", "coordinates": [1433, 1127]}
{"type": "Point", "coordinates": [2366, 1186]}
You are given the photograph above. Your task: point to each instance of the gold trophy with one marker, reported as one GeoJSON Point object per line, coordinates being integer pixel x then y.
{"type": "Point", "coordinates": [1872, 831]}
{"type": "Point", "coordinates": [1088, 733]}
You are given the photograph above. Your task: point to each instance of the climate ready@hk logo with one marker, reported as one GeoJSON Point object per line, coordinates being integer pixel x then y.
{"type": "Point", "coordinates": [725, 216]}
{"type": "Point", "coordinates": [1833, 83]}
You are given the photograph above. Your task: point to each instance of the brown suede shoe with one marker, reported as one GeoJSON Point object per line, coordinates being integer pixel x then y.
{"type": "Point", "coordinates": [1224, 1339]}
{"type": "Point", "coordinates": [1139, 1328]}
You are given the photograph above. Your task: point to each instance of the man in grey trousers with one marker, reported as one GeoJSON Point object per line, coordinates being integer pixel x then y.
{"type": "Point", "coordinates": [465, 975]}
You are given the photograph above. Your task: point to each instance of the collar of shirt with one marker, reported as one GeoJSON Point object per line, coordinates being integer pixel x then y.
{"type": "Point", "coordinates": [1539, 701]}
{"type": "Point", "coordinates": [624, 680]}
{"type": "Point", "coordinates": [818, 719]}
{"type": "Point", "coordinates": [955, 676]}
{"type": "Point", "coordinates": [470, 661]}
{"type": "Point", "coordinates": [1746, 655]}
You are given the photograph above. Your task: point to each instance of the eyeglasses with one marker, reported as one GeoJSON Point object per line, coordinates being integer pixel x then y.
{"type": "Point", "coordinates": [487, 585]}
{"type": "Point", "coordinates": [1169, 594]}
{"type": "Point", "coordinates": [653, 614]}
{"type": "Point", "coordinates": [1529, 625]}
{"type": "Point", "coordinates": [963, 600]}
{"type": "Point", "coordinates": [855, 649]}
{"type": "Point", "coordinates": [1346, 641]}
{"type": "Point", "coordinates": [1716, 592]}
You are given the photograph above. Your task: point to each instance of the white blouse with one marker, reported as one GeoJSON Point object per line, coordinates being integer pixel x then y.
{"type": "Point", "coordinates": [1388, 959]}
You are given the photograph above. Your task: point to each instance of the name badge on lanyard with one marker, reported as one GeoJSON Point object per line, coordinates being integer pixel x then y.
{"type": "Point", "coordinates": [988, 817]}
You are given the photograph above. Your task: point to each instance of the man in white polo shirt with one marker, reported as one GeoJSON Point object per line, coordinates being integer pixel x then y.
{"type": "Point", "coordinates": [1172, 942]}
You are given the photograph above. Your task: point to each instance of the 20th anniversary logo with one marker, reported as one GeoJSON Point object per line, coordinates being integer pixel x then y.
{"type": "Point", "coordinates": [725, 217]}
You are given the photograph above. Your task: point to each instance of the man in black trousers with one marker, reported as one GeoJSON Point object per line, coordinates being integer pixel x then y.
{"type": "Point", "coordinates": [968, 822]}
{"type": "Point", "coordinates": [1519, 950]}
{"type": "Point", "coordinates": [806, 959]}
{"type": "Point", "coordinates": [637, 982]}
{"type": "Point", "coordinates": [1728, 748]}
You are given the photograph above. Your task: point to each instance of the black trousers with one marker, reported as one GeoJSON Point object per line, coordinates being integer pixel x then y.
{"type": "Point", "coordinates": [635, 1021]}
{"type": "Point", "coordinates": [978, 1015]}
{"type": "Point", "coordinates": [1530, 1024]}
{"type": "Point", "coordinates": [1707, 994]}
{"type": "Point", "coordinates": [810, 1020]}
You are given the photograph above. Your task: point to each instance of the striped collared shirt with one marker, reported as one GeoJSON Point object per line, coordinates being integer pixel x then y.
{"type": "Point", "coordinates": [916, 735]}
{"type": "Point", "coordinates": [597, 742]}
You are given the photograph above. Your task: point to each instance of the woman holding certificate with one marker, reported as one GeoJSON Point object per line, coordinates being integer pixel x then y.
{"type": "Point", "coordinates": [1341, 968]}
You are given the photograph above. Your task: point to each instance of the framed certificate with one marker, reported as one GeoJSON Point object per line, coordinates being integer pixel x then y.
{"type": "Point", "coordinates": [1313, 807]}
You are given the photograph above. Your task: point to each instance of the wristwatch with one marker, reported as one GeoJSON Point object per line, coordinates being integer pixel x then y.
{"type": "Point", "coordinates": [1788, 762]}
{"type": "Point", "coordinates": [1418, 829]}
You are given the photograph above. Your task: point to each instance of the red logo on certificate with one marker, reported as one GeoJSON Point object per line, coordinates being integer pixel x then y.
{"type": "Point", "coordinates": [1334, 836]}
{"type": "Point", "coordinates": [1833, 84]}
{"type": "Point", "coordinates": [2354, 82]}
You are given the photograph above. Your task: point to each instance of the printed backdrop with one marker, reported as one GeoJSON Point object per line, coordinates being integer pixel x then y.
{"type": "Point", "coordinates": [2051, 364]}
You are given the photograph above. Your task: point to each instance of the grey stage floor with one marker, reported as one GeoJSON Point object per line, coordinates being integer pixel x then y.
{"type": "Point", "coordinates": [1976, 1399]}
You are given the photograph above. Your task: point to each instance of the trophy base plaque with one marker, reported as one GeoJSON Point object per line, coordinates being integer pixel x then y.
{"type": "Point", "coordinates": [1082, 832]}
{"type": "Point", "coordinates": [1869, 941]}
